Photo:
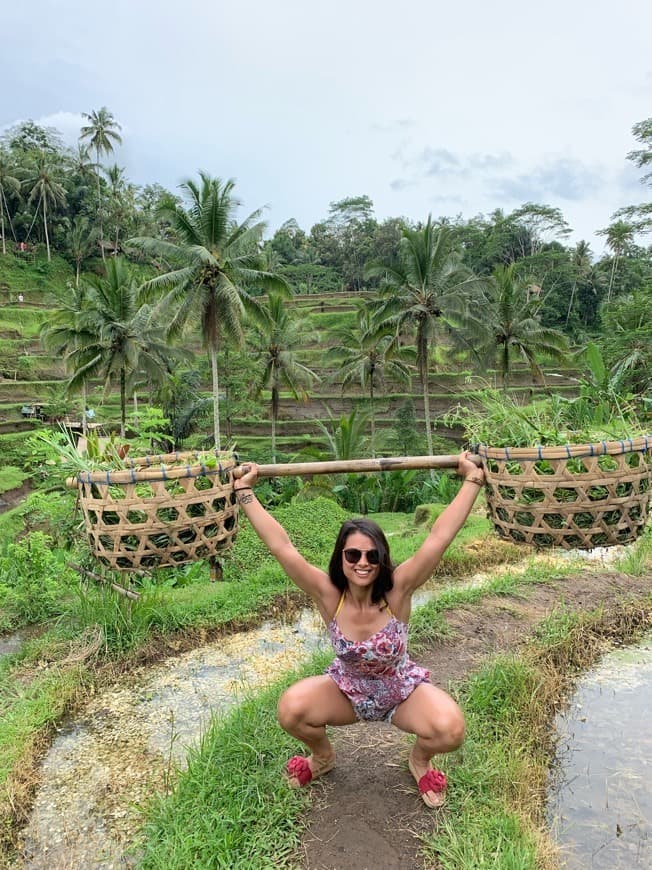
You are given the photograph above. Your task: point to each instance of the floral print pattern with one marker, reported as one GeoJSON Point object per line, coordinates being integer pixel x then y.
{"type": "Point", "coordinates": [376, 674]}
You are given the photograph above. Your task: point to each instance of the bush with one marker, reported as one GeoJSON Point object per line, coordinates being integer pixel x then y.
{"type": "Point", "coordinates": [34, 583]}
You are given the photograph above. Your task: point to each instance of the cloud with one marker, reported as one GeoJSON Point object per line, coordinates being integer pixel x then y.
{"type": "Point", "coordinates": [562, 179]}
{"type": "Point", "coordinates": [444, 163]}
{"type": "Point", "coordinates": [402, 184]}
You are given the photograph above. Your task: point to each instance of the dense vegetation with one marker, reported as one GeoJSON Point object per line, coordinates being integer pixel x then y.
{"type": "Point", "coordinates": [152, 277]}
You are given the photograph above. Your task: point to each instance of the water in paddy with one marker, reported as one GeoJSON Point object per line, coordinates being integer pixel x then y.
{"type": "Point", "coordinates": [600, 810]}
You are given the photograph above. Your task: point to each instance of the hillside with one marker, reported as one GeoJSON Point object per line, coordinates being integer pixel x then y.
{"type": "Point", "coordinates": [29, 376]}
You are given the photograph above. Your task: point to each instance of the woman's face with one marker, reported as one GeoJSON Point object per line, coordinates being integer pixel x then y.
{"type": "Point", "coordinates": [360, 559]}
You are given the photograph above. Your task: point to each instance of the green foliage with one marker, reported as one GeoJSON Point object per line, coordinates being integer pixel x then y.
{"type": "Point", "coordinates": [627, 340]}
{"type": "Point", "coordinates": [312, 526]}
{"type": "Point", "coordinates": [34, 583]}
{"type": "Point", "coordinates": [599, 413]}
{"type": "Point", "coordinates": [11, 478]}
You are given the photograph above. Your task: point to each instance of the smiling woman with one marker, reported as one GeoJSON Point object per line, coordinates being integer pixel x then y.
{"type": "Point", "coordinates": [365, 602]}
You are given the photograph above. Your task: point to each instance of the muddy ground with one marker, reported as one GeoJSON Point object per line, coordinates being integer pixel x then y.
{"type": "Point", "coordinates": [366, 813]}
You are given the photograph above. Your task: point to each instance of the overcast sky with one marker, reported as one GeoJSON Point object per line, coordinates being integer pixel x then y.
{"type": "Point", "coordinates": [426, 107]}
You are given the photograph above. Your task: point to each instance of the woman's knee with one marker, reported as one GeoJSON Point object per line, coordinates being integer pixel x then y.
{"type": "Point", "coordinates": [292, 707]}
{"type": "Point", "coordinates": [449, 727]}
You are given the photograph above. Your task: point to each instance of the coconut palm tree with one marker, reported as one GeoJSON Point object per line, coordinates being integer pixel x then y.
{"type": "Point", "coordinates": [582, 264]}
{"type": "Point", "coordinates": [80, 240]}
{"type": "Point", "coordinates": [121, 336]}
{"type": "Point", "coordinates": [102, 133]}
{"type": "Point", "coordinates": [45, 188]}
{"type": "Point", "coordinates": [216, 264]}
{"type": "Point", "coordinates": [618, 236]}
{"type": "Point", "coordinates": [428, 284]}
{"type": "Point", "coordinates": [65, 334]}
{"type": "Point", "coordinates": [274, 342]}
{"type": "Point", "coordinates": [9, 183]}
{"type": "Point", "coordinates": [509, 325]}
{"type": "Point", "coordinates": [367, 354]}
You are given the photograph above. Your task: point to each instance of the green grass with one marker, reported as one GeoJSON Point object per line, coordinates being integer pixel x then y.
{"type": "Point", "coordinates": [41, 703]}
{"type": "Point", "coordinates": [231, 807]}
{"type": "Point", "coordinates": [11, 478]}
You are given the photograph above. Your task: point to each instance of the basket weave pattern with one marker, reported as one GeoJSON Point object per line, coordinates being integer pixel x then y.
{"type": "Point", "coordinates": [157, 514]}
{"type": "Point", "coordinates": [575, 496]}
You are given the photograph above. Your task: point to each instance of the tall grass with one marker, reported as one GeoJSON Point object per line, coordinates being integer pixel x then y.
{"type": "Point", "coordinates": [231, 807]}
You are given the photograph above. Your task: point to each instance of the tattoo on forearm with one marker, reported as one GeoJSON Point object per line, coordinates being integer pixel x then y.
{"type": "Point", "coordinates": [245, 499]}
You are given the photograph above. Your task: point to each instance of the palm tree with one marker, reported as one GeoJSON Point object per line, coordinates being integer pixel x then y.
{"type": "Point", "coordinates": [582, 267]}
{"type": "Point", "coordinates": [102, 134]}
{"type": "Point", "coordinates": [509, 325]}
{"type": "Point", "coordinates": [80, 240]}
{"type": "Point", "coordinates": [274, 342]}
{"type": "Point", "coordinates": [428, 284]}
{"type": "Point", "coordinates": [618, 236]}
{"type": "Point", "coordinates": [44, 186]}
{"type": "Point", "coordinates": [121, 336]}
{"type": "Point", "coordinates": [64, 333]}
{"type": "Point", "coordinates": [217, 263]}
{"type": "Point", "coordinates": [366, 354]}
{"type": "Point", "coordinates": [8, 184]}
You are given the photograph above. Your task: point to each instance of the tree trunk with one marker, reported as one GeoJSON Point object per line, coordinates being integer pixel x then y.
{"type": "Point", "coordinates": [2, 224]}
{"type": "Point", "coordinates": [216, 398]}
{"type": "Point", "coordinates": [275, 404]}
{"type": "Point", "coordinates": [123, 403]}
{"type": "Point", "coordinates": [45, 224]}
{"type": "Point", "coordinates": [373, 417]}
{"type": "Point", "coordinates": [422, 363]}
{"type": "Point", "coordinates": [611, 278]}
{"type": "Point", "coordinates": [570, 304]}
{"type": "Point", "coordinates": [84, 423]}
{"type": "Point", "coordinates": [99, 202]}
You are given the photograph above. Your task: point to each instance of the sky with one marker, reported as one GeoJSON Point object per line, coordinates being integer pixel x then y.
{"type": "Point", "coordinates": [449, 109]}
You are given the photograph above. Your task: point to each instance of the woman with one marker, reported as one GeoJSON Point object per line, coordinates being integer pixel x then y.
{"type": "Point", "coordinates": [365, 603]}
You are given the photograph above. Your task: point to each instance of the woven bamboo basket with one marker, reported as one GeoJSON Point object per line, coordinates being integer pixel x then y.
{"type": "Point", "coordinates": [575, 496]}
{"type": "Point", "coordinates": [159, 511]}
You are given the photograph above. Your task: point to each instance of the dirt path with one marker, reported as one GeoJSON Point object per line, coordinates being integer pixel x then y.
{"type": "Point", "coordinates": [367, 814]}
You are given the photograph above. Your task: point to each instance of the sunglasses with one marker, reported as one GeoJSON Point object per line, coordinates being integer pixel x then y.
{"type": "Point", "coordinates": [353, 556]}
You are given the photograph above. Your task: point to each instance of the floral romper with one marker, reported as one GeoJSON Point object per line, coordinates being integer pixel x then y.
{"type": "Point", "coordinates": [376, 674]}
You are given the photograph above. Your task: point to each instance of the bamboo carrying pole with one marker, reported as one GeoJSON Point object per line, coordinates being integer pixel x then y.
{"type": "Point", "coordinates": [339, 466]}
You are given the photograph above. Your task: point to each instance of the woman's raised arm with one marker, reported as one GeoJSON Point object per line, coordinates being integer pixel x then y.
{"type": "Point", "coordinates": [308, 577]}
{"type": "Point", "coordinates": [414, 572]}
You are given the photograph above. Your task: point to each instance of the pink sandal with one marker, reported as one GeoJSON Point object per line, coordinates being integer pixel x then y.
{"type": "Point", "coordinates": [300, 773]}
{"type": "Point", "coordinates": [433, 780]}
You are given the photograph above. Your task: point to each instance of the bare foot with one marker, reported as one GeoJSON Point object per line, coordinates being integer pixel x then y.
{"type": "Point", "coordinates": [302, 770]}
{"type": "Point", "coordinates": [431, 782]}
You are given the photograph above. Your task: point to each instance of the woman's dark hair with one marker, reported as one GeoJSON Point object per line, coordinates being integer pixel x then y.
{"type": "Point", "coordinates": [384, 581]}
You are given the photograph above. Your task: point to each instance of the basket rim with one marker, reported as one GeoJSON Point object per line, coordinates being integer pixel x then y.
{"type": "Point", "coordinates": [641, 444]}
{"type": "Point", "coordinates": [148, 468]}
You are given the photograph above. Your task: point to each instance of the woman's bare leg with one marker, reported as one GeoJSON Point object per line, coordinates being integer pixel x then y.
{"type": "Point", "coordinates": [304, 711]}
{"type": "Point", "coordinates": [438, 723]}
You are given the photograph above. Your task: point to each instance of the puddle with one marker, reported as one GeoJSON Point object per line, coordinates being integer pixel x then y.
{"type": "Point", "coordinates": [600, 811]}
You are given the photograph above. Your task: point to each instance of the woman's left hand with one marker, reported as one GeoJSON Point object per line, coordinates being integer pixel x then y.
{"type": "Point", "coordinates": [466, 468]}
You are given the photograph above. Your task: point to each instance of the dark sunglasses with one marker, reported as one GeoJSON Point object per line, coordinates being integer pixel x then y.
{"type": "Point", "coordinates": [353, 556]}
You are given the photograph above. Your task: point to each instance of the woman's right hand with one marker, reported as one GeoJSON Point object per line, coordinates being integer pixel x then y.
{"type": "Point", "coordinates": [248, 476]}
